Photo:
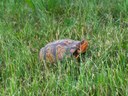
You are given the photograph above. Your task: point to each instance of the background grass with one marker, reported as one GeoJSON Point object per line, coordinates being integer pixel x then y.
{"type": "Point", "coordinates": [28, 25]}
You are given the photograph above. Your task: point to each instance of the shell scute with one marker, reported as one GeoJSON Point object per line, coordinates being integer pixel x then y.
{"type": "Point", "coordinates": [60, 51]}
{"type": "Point", "coordinates": [49, 56]}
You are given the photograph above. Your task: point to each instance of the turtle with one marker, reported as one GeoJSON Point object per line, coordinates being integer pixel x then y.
{"type": "Point", "coordinates": [59, 49]}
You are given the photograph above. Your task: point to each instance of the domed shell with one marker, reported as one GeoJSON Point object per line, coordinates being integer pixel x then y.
{"type": "Point", "coordinates": [60, 49]}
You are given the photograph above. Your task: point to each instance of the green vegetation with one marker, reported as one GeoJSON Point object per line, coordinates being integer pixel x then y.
{"type": "Point", "coordinates": [27, 25]}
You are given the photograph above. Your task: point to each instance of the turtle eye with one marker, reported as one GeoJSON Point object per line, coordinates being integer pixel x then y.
{"type": "Point", "coordinates": [82, 42]}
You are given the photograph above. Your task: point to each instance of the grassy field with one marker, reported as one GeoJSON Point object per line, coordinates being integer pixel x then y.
{"type": "Point", "coordinates": [28, 25]}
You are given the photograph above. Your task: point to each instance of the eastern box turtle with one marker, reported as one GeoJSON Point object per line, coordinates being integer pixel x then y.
{"type": "Point", "coordinates": [60, 49]}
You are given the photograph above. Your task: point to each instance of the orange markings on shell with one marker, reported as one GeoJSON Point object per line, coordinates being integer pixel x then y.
{"type": "Point", "coordinates": [60, 52]}
{"type": "Point", "coordinates": [67, 42]}
{"type": "Point", "coordinates": [49, 55]}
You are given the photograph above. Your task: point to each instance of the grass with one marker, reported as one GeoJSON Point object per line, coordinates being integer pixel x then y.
{"type": "Point", "coordinates": [28, 25]}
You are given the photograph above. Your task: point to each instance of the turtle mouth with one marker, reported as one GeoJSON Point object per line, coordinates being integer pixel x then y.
{"type": "Point", "coordinates": [82, 47]}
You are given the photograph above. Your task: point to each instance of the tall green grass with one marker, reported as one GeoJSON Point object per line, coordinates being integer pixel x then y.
{"type": "Point", "coordinates": [28, 25]}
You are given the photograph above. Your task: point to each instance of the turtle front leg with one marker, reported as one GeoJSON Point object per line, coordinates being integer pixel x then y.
{"type": "Point", "coordinates": [76, 54]}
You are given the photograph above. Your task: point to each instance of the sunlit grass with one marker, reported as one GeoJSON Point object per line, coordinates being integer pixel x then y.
{"type": "Point", "coordinates": [26, 26]}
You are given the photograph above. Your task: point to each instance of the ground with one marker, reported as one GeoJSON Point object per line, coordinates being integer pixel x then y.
{"type": "Point", "coordinates": [28, 25]}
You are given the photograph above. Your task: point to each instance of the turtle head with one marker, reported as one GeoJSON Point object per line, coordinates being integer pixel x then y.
{"type": "Point", "coordinates": [81, 48]}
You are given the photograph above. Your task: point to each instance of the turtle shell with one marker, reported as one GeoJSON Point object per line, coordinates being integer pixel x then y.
{"type": "Point", "coordinates": [60, 49]}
